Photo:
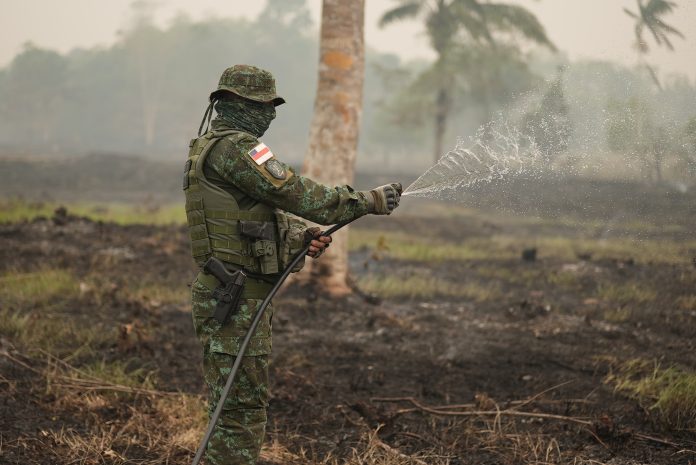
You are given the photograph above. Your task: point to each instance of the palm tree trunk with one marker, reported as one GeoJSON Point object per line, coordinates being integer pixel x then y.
{"type": "Point", "coordinates": [333, 138]}
{"type": "Point", "coordinates": [441, 114]}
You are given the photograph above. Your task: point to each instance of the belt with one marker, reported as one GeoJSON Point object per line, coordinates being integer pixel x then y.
{"type": "Point", "coordinates": [253, 288]}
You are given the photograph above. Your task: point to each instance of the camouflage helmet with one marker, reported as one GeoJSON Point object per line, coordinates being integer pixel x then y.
{"type": "Point", "coordinates": [249, 82]}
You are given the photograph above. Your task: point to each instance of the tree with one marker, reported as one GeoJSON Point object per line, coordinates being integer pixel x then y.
{"type": "Point", "coordinates": [549, 124]}
{"type": "Point", "coordinates": [34, 89]}
{"type": "Point", "coordinates": [148, 57]}
{"type": "Point", "coordinates": [649, 16]}
{"type": "Point", "coordinates": [333, 135]}
{"type": "Point", "coordinates": [631, 129]}
{"type": "Point", "coordinates": [451, 24]}
{"type": "Point", "coordinates": [689, 144]}
{"type": "Point", "coordinates": [290, 13]}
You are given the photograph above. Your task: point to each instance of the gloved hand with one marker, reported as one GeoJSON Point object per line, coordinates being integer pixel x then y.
{"type": "Point", "coordinates": [317, 242]}
{"type": "Point", "coordinates": [384, 199]}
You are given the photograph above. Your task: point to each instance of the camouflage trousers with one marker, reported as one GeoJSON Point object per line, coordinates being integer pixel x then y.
{"type": "Point", "coordinates": [239, 432]}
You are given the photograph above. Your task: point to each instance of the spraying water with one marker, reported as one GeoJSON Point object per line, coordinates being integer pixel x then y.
{"type": "Point", "coordinates": [535, 160]}
{"type": "Point", "coordinates": [493, 155]}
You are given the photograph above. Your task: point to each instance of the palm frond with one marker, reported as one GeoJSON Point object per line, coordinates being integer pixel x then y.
{"type": "Point", "coordinates": [471, 15]}
{"type": "Point", "coordinates": [401, 12]}
{"type": "Point", "coordinates": [655, 32]}
{"type": "Point", "coordinates": [667, 42]}
{"type": "Point", "coordinates": [513, 18]}
{"type": "Point", "coordinates": [631, 14]}
{"type": "Point", "coordinates": [667, 28]}
{"type": "Point", "coordinates": [659, 7]}
{"type": "Point", "coordinates": [649, 17]}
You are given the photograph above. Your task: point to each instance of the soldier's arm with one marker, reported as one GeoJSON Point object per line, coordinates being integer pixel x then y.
{"type": "Point", "coordinates": [296, 194]}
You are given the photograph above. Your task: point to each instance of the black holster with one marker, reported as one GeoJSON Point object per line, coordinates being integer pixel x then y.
{"type": "Point", "coordinates": [229, 293]}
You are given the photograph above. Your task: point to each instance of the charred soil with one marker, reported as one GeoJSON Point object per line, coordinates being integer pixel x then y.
{"type": "Point", "coordinates": [507, 364]}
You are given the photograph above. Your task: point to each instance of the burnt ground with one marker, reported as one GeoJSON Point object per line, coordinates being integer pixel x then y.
{"type": "Point", "coordinates": [345, 369]}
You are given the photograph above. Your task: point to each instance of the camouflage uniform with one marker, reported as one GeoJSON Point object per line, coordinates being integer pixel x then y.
{"type": "Point", "coordinates": [256, 188]}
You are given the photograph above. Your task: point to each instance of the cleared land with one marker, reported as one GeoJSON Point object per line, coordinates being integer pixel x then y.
{"type": "Point", "coordinates": [473, 355]}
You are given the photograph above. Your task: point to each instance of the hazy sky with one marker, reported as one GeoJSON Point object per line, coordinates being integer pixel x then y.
{"type": "Point", "coordinates": [581, 28]}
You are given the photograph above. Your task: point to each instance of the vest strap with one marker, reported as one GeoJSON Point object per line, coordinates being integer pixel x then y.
{"type": "Point", "coordinates": [220, 229]}
{"type": "Point", "coordinates": [234, 258]}
{"type": "Point", "coordinates": [200, 250]}
{"type": "Point", "coordinates": [194, 205]}
{"type": "Point", "coordinates": [231, 244]}
{"type": "Point", "coordinates": [239, 215]}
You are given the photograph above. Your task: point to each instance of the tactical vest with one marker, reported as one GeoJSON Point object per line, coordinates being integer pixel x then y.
{"type": "Point", "coordinates": [249, 239]}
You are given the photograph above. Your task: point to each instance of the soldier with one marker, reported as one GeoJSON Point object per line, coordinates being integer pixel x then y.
{"type": "Point", "coordinates": [238, 200]}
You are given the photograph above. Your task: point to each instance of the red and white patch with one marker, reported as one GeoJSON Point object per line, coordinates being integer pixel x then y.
{"type": "Point", "coordinates": [261, 154]}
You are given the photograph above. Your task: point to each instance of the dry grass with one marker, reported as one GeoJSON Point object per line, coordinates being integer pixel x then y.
{"type": "Point", "coordinates": [62, 355]}
{"type": "Point", "coordinates": [156, 294]}
{"type": "Point", "coordinates": [670, 393]}
{"type": "Point", "coordinates": [32, 307]}
{"type": "Point", "coordinates": [618, 315]}
{"type": "Point", "coordinates": [641, 251]}
{"type": "Point", "coordinates": [126, 420]}
{"type": "Point", "coordinates": [629, 293]}
{"type": "Point", "coordinates": [143, 426]}
{"type": "Point", "coordinates": [374, 451]}
{"type": "Point", "coordinates": [156, 431]}
{"type": "Point", "coordinates": [427, 287]}
{"type": "Point", "coordinates": [402, 246]}
{"type": "Point", "coordinates": [527, 277]}
{"type": "Point", "coordinates": [40, 288]}
{"type": "Point", "coordinates": [51, 333]}
{"type": "Point", "coordinates": [565, 279]}
{"type": "Point", "coordinates": [405, 246]}
{"type": "Point", "coordinates": [13, 211]}
{"type": "Point", "coordinates": [687, 302]}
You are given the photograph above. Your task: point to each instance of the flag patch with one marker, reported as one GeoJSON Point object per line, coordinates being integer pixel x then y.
{"type": "Point", "coordinates": [261, 154]}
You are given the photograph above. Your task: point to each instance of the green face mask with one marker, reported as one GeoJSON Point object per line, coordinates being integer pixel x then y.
{"type": "Point", "coordinates": [247, 115]}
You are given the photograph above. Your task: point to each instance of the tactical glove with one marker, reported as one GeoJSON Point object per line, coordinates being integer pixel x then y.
{"type": "Point", "coordinates": [384, 199]}
{"type": "Point", "coordinates": [318, 246]}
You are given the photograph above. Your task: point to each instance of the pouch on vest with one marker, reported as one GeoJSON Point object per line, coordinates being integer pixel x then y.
{"type": "Point", "coordinates": [263, 245]}
{"type": "Point", "coordinates": [292, 239]}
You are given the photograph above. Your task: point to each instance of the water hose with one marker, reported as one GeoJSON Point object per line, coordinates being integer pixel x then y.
{"type": "Point", "coordinates": [247, 338]}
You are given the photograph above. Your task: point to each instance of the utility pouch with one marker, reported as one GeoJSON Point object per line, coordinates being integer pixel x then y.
{"type": "Point", "coordinates": [257, 230]}
{"type": "Point", "coordinates": [262, 235]}
{"type": "Point", "coordinates": [267, 254]}
{"type": "Point", "coordinates": [291, 231]}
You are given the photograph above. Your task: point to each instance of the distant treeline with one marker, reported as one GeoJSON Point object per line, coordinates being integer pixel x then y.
{"type": "Point", "coordinates": [146, 93]}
